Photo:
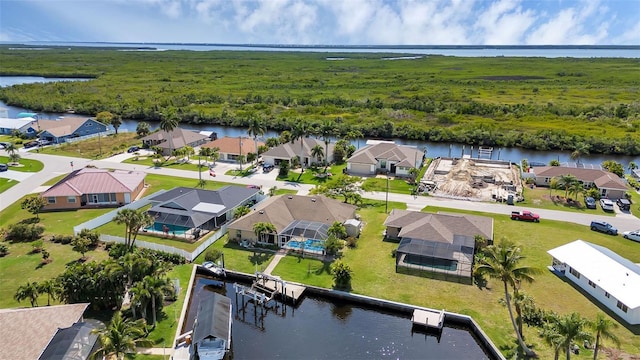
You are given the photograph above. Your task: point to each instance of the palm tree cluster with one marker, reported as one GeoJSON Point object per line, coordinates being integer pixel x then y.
{"type": "Point", "coordinates": [570, 184]}
{"type": "Point", "coordinates": [12, 150]}
{"type": "Point", "coordinates": [121, 336]}
{"type": "Point", "coordinates": [104, 284]}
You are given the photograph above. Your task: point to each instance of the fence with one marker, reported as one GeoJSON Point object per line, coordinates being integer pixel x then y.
{"type": "Point", "coordinates": [190, 256]}
{"type": "Point", "coordinates": [90, 136]}
{"type": "Point", "coordinates": [105, 218]}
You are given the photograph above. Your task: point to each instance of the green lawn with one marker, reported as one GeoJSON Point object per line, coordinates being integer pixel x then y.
{"type": "Point", "coordinates": [6, 184]}
{"type": "Point", "coordinates": [165, 330]}
{"type": "Point", "coordinates": [55, 179]}
{"type": "Point", "coordinates": [171, 163]}
{"type": "Point", "coordinates": [543, 198]}
{"type": "Point", "coordinates": [238, 258]}
{"type": "Point", "coordinates": [399, 186]}
{"type": "Point", "coordinates": [20, 267]}
{"type": "Point", "coordinates": [246, 171]}
{"type": "Point", "coordinates": [313, 176]}
{"type": "Point", "coordinates": [95, 148]}
{"type": "Point", "coordinates": [25, 165]}
{"type": "Point", "coordinates": [284, 192]}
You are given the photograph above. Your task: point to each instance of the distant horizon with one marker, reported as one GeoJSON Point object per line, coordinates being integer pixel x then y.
{"type": "Point", "coordinates": [330, 22]}
{"type": "Point", "coordinates": [360, 46]}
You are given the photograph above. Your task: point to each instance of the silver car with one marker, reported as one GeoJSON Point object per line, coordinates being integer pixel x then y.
{"type": "Point", "coordinates": [632, 235]}
{"type": "Point", "coordinates": [606, 204]}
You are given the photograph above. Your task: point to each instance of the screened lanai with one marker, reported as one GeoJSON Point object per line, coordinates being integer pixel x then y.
{"type": "Point", "coordinates": [303, 229]}
{"type": "Point", "coordinates": [446, 259]}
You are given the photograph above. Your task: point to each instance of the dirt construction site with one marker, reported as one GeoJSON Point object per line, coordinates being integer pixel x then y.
{"type": "Point", "coordinates": [473, 179]}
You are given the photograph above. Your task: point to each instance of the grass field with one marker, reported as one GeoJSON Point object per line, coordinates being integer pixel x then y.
{"type": "Point", "coordinates": [95, 148]}
{"type": "Point", "coordinates": [399, 186]}
{"type": "Point", "coordinates": [312, 176]}
{"type": "Point", "coordinates": [25, 165]}
{"type": "Point", "coordinates": [6, 184]}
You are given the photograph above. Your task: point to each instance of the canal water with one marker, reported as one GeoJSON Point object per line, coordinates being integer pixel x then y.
{"type": "Point", "coordinates": [433, 149]}
{"type": "Point", "coordinates": [319, 328]}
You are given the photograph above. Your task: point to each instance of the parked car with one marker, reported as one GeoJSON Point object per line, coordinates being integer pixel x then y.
{"type": "Point", "coordinates": [606, 204]}
{"type": "Point", "coordinates": [525, 215]}
{"type": "Point", "coordinates": [632, 235]}
{"type": "Point", "coordinates": [603, 227]}
{"type": "Point", "coordinates": [590, 202]}
{"type": "Point", "coordinates": [267, 168]}
{"type": "Point", "coordinates": [31, 144]}
{"type": "Point", "coordinates": [624, 204]}
{"type": "Point", "coordinates": [43, 142]}
{"type": "Point", "coordinates": [3, 167]}
{"type": "Point", "coordinates": [133, 149]}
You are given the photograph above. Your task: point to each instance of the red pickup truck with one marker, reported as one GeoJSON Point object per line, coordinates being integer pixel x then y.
{"type": "Point", "coordinates": [525, 215]}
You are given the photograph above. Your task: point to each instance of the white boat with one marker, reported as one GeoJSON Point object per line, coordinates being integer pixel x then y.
{"type": "Point", "coordinates": [214, 269]}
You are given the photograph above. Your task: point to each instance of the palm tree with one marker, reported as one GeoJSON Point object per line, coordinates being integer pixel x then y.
{"type": "Point", "coordinates": [14, 158]}
{"type": "Point", "coordinates": [604, 329]}
{"type": "Point", "coordinates": [156, 287]}
{"type": "Point", "coordinates": [30, 291]}
{"type": "Point", "coordinates": [551, 336]}
{"type": "Point", "coordinates": [300, 131]}
{"type": "Point", "coordinates": [51, 288]}
{"type": "Point", "coordinates": [580, 150]}
{"type": "Point", "coordinates": [502, 262]}
{"type": "Point", "coordinates": [576, 189]}
{"type": "Point", "coordinates": [257, 127]}
{"type": "Point", "coordinates": [241, 211]}
{"type": "Point", "coordinates": [140, 297]}
{"type": "Point", "coordinates": [262, 228]}
{"type": "Point", "coordinates": [570, 327]}
{"type": "Point", "coordinates": [632, 166]}
{"type": "Point", "coordinates": [317, 152]}
{"type": "Point", "coordinates": [327, 130]}
{"type": "Point", "coordinates": [168, 124]}
{"type": "Point", "coordinates": [565, 182]}
{"type": "Point", "coordinates": [11, 148]}
{"type": "Point", "coordinates": [134, 220]}
{"type": "Point", "coordinates": [120, 337]}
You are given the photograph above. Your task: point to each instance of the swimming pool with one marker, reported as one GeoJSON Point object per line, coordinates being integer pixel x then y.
{"type": "Point", "coordinates": [310, 245]}
{"type": "Point", "coordinates": [173, 229]}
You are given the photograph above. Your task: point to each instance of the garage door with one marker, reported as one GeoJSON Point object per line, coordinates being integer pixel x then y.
{"type": "Point", "coordinates": [364, 169]}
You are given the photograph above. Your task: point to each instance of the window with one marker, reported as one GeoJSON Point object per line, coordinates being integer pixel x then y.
{"type": "Point", "coordinates": [607, 295]}
{"type": "Point", "coordinates": [51, 200]}
{"type": "Point", "coordinates": [622, 306]}
{"type": "Point", "coordinates": [592, 284]}
{"type": "Point", "coordinates": [546, 180]}
{"type": "Point", "coordinates": [71, 199]}
{"type": "Point", "coordinates": [574, 273]}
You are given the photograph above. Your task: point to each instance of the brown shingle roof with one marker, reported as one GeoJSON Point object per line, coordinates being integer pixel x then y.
{"type": "Point", "coordinates": [602, 179]}
{"type": "Point", "coordinates": [282, 210]}
{"type": "Point", "coordinates": [289, 150]}
{"type": "Point", "coordinates": [26, 332]}
{"type": "Point", "coordinates": [439, 227]}
{"type": "Point", "coordinates": [231, 145]}
{"type": "Point", "coordinates": [100, 181]}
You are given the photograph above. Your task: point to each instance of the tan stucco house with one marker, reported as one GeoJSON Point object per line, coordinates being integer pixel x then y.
{"type": "Point", "coordinates": [385, 157]}
{"type": "Point", "coordinates": [609, 184]}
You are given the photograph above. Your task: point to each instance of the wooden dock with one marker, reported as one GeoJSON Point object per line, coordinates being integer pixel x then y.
{"type": "Point", "coordinates": [288, 291]}
{"type": "Point", "coordinates": [428, 318]}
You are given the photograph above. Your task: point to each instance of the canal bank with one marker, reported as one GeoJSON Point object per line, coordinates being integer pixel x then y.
{"type": "Point", "coordinates": [399, 312]}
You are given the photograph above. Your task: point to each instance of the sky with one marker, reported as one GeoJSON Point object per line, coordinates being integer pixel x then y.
{"type": "Point", "coordinates": [326, 22]}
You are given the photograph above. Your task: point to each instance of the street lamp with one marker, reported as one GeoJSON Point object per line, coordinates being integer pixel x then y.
{"type": "Point", "coordinates": [386, 202]}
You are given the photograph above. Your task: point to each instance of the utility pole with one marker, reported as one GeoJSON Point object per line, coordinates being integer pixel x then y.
{"type": "Point", "coordinates": [386, 202]}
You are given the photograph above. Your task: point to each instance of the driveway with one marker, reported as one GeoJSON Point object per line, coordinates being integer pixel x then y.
{"type": "Point", "coordinates": [16, 175]}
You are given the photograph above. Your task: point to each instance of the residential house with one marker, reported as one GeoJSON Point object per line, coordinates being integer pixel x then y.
{"type": "Point", "coordinates": [176, 139]}
{"type": "Point", "coordinates": [609, 184]}
{"type": "Point", "coordinates": [44, 333]}
{"type": "Point", "coordinates": [24, 126]}
{"type": "Point", "coordinates": [184, 210]}
{"type": "Point", "coordinates": [635, 173]}
{"type": "Point", "coordinates": [385, 157]}
{"type": "Point", "coordinates": [294, 217]}
{"type": "Point", "coordinates": [230, 148]}
{"type": "Point", "coordinates": [442, 243]}
{"type": "Point", "coordinates": [59, 131]}
{"type": "Point", "coordinates": [92, 187]}
{"type": "Point", "coordinates": [608, 277]}
{"type": "Point", "coordinates": [288, 151]}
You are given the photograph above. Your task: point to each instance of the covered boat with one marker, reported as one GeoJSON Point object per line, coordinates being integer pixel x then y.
{"type": "Point", "coordinates": [212, 328]}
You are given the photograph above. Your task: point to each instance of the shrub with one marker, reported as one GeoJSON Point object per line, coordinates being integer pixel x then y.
{"type": "Point", "coordinates": [24, 232]}
{"type": "Point", "coordinates": [352, 242]}
{"type": "Point", "coordinates": [212, 255]}
{"type": "Point", "coordinates": [116, 251]}
{"type": "Point", "coordinates": [284, 169]}
{"type": "Point", "coordinates": [393, 253]}
{"type": "Point", "coordinates": [92, 236]}
{"type": "Point", "coordinates": [62, 239]}
{"type": "Point", "coordinates": [4, 250]}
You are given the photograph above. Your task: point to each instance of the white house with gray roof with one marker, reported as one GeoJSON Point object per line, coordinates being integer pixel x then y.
{"type": "Point", "coordinates": [386, 158]}
{"type": "Point", "coordinates": [608, 277]}
{"type": "Point", "coordinates": [24, 126]}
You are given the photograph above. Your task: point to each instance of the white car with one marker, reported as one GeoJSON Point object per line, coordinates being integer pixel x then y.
{"type": "Point", "coordinates": [606, 204]}
{"type": "Point", "coordinates": [632, 235]}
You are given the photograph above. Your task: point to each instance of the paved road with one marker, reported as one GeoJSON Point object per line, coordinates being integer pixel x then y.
{"type": "Point", "coordinates": [56, 165]}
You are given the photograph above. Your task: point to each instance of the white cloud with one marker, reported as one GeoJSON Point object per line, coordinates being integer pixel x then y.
{"type": "Point", "coordinates": [504, 22]}
{"type": "Point", "coordinates": [574, 25]}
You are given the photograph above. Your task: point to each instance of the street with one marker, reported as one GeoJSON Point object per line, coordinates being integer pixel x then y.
{"type": "Point", "coordinates": [57, 165]}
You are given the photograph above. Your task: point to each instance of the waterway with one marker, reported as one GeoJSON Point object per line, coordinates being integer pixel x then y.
{"type": "Point", "coordinates": [433, 149]}
{"type": "Point", "coordinates": [460, 51]}
{"type": "Point", "coordinates": [319, 328]}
